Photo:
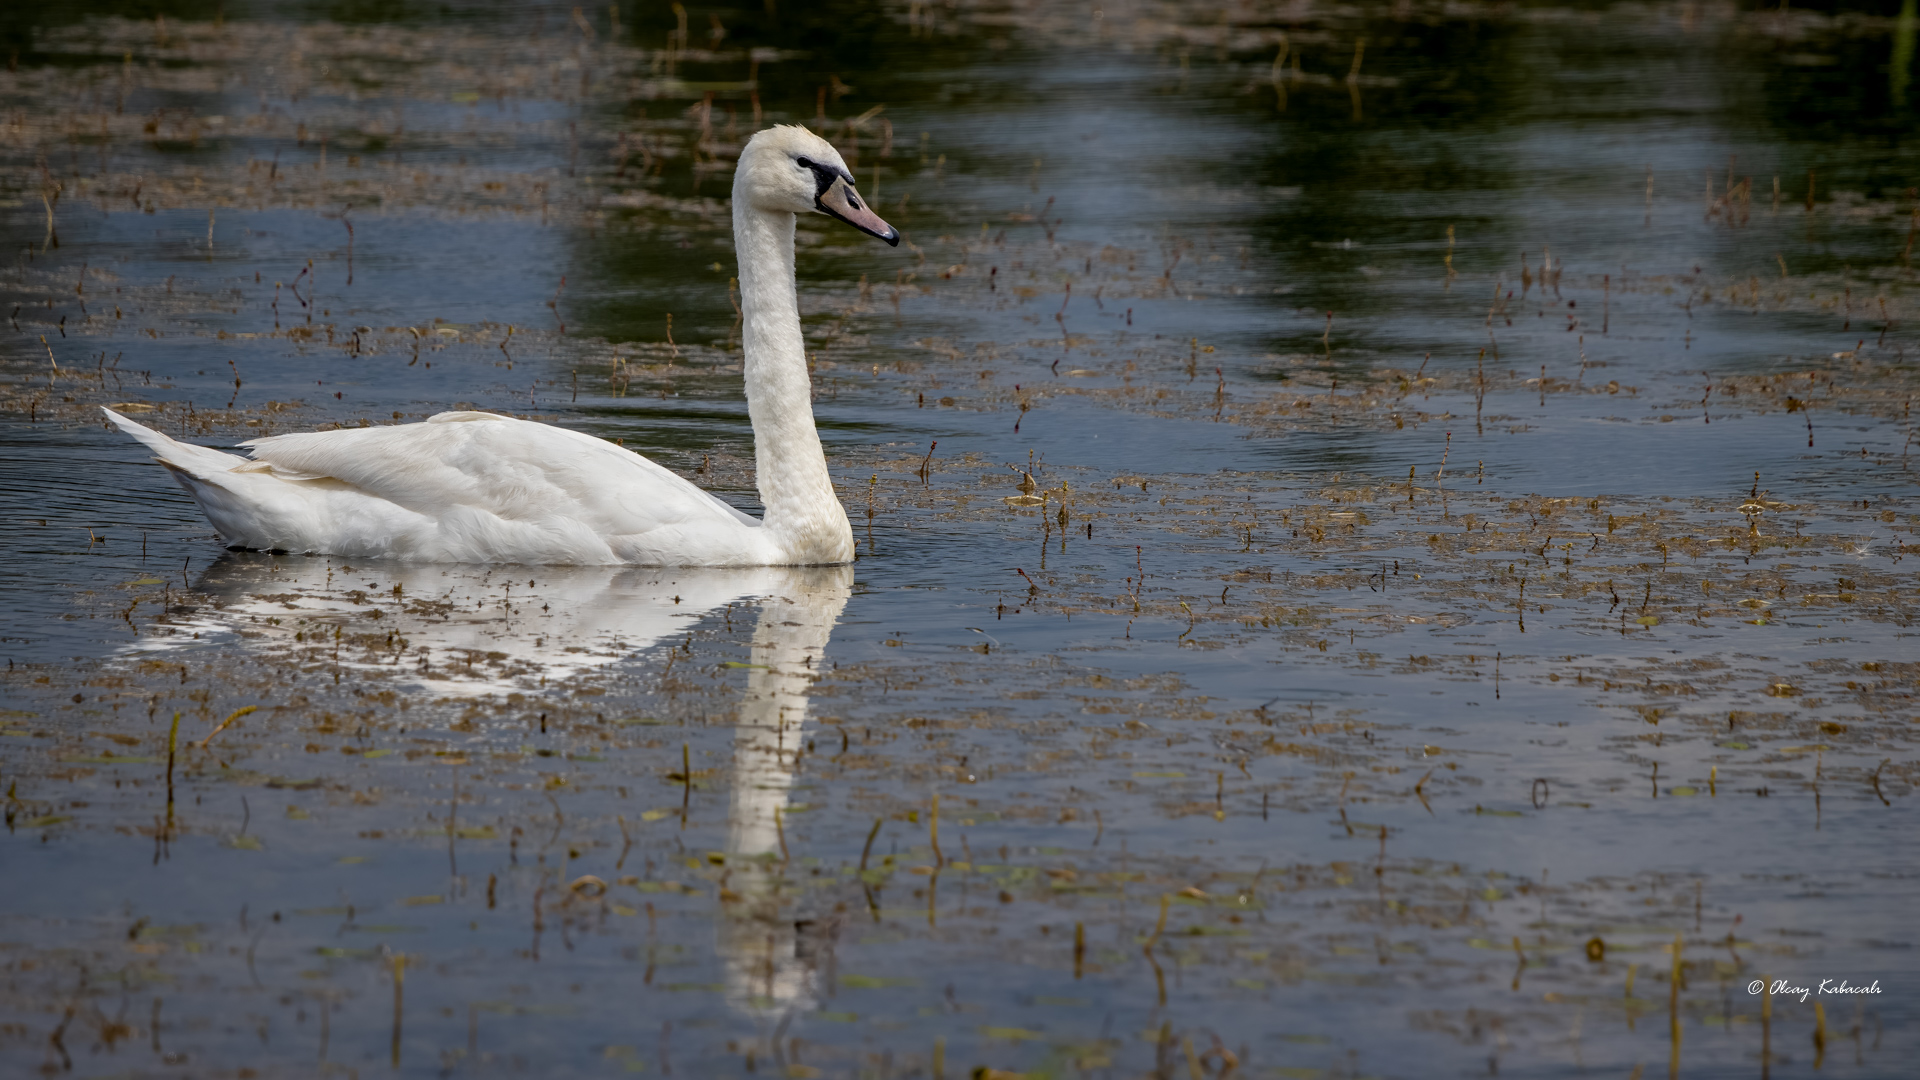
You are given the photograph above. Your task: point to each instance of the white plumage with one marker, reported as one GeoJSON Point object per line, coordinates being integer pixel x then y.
{"type": "Point", "coordinates": [478, 487]}
{"type": "Point", "coordinates": [463, 487]}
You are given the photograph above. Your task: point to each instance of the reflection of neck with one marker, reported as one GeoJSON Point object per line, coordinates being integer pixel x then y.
{"type": "Point", "coordinates": [788, 646]}
{"type": "Point", "coordinates": [795, 488]}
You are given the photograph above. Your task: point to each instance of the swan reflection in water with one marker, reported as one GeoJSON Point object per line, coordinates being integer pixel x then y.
{"type": "Point", "coordinates": [459, 629]}
{"type": "Point", "coordinates": [476, 630]}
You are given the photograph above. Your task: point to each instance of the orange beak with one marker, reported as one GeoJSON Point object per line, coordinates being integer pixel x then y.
{"type": "Point", "coordinates": [840, 200]}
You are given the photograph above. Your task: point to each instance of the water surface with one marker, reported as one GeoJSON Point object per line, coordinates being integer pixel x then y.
{"type": "Point", "coordinates": [1373, 561]}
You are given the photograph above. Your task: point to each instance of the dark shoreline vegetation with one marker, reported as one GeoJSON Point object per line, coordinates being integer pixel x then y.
{"type": "Point", "coordinates": [1383, 545]}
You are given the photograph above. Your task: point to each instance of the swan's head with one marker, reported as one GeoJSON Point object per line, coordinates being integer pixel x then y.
{"type": "Point", "coordinates": [792, 169]}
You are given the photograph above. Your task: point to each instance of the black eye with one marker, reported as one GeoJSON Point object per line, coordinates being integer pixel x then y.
{"type": "Point", "coordinates": [806, 164]}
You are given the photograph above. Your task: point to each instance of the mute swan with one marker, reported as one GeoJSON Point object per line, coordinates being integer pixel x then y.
{"type": "Point", "coordinates": [476, 487]}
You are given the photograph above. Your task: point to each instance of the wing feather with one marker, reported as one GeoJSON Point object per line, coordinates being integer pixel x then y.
{"type": "Point", "coordinates": [515, 470]}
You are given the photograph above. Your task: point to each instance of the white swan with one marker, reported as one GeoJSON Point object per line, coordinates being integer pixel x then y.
{"type": "Point", "coordinates": [480, 488]}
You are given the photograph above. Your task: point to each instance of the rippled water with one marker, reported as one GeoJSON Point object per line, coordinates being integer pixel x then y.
{"type": "Point", "coordinates": [1167, 725]}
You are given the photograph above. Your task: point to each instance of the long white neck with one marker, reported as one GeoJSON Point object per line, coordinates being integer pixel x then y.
{"type": "Point", "coordinates": [795, 488]}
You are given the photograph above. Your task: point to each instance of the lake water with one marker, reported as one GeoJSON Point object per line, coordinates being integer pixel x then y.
{"type": "Point", "coordinates": [1381, 529]}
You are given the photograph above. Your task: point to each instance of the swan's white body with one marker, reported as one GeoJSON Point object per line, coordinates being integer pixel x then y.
{"type": "Point", "coordinates": [482, 488]}
{"type": "Point", "coordinates": [464, 487]}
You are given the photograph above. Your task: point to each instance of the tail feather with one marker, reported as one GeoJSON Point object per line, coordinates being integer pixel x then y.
{"type": "Point", "coordinates": [199, 462]}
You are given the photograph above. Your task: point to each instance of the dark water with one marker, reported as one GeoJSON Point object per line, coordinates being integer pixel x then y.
{"type": "Point", "coordinates": [1253, 755]}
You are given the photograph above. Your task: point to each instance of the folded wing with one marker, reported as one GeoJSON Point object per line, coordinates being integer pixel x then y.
{"type": "Point", "coordinates": [511, 469]}
{"type": "Point", "coordinates": [462, 487]}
